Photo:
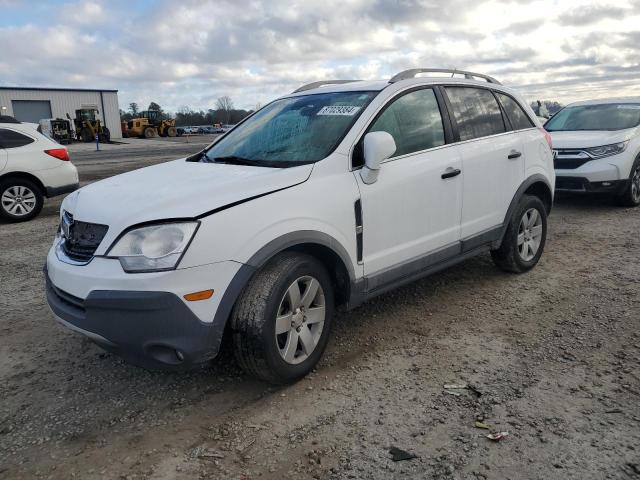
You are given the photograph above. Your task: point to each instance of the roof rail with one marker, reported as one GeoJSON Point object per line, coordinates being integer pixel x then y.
{"type": "Point", "coordinates": [415, 71]}
{"type": "Point", "coordinates": [310, 86]}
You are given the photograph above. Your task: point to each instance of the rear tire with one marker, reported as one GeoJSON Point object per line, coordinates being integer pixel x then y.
{"type": "Point", "coordinates": [149, 132]}
{"type": "Point", "coordinates": [631, 195]}
{"type": "Point", "coordinates": [279, 336]}
{"type": "Point", "coordinates": [105, 136]}
{"type": "Point", "coordinates": [525, 238]}
{"type": "Point", "coordinates": [20, 199]}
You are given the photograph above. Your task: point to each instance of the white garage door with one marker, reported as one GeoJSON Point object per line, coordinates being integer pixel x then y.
{"type": "Point", "coordinates": [31, 110]}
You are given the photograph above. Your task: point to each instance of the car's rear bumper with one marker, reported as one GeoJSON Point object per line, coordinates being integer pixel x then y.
{"type": "Point", "coordinates": [55, 191]}
{"type": "Point", "coordinates": [583, 185]}
{"type": "Point", "coordinates": [154, 330]}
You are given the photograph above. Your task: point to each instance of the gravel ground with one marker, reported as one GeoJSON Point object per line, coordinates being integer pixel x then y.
{"type": "Point", "coordinates": [552, 357]}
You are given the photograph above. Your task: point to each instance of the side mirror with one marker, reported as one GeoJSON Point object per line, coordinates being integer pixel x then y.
{"type": "Point", "coordinates": [378, 146]}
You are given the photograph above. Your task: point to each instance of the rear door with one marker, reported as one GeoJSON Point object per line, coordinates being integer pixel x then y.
{"type": "Point", "coordinates": [411, 210]}
{"type": "Point", "coordinates": [18, 150]}
{"type": "Point", "coordinates": [492, 160]}
{"type": "Point", "coordinates": [535, 149]}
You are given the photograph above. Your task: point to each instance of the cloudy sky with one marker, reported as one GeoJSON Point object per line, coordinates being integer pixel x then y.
{"type": "Point", "coordinates": [188, 52]}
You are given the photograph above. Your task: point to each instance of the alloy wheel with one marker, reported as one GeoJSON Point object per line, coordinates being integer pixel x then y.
{"type": "Point", "coordinates": [529, 234]}
{"type": "Point", "coordinates": [300, 320]}
{"type": "Point", "coordinates": [18, 200]}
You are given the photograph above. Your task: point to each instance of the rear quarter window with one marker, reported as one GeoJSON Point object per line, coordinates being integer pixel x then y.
{"type": "Point", "coordinates": [13, 139]}
{"type": "Point", "coordinates": [476, 112]}
{"type": "Point", "coordinates": [517, 117]}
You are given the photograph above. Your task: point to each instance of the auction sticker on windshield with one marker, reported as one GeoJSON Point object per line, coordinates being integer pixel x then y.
{"type": "Point", "coordinates": [346, 110]}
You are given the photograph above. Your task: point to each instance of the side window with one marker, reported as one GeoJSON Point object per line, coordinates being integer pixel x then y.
{"type": "Point", "coordinates": [518, 118]}
{"type": "Point", "coordinates": [414, 122]}
{"type": "Point", "coordinates": [11, 139]}
{"type": "Point", "coordinates": [476, 112]}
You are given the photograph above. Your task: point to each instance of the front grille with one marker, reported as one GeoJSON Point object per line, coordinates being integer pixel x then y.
{"type": "Point", "coordinates": [569, 159]}
{"type": "Point", "coordinates": [81, 239]}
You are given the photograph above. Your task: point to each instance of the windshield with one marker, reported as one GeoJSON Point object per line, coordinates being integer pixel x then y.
{"type": "Point", "coordinates": [613, 116]}
{"type": "Point", "coordinates": [291, 131]}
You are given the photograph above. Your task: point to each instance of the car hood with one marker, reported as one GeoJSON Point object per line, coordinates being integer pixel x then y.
{"type": "Point", "coordinates": [588, 139]}
{"type": "Point", "coordinates": [176, 189]}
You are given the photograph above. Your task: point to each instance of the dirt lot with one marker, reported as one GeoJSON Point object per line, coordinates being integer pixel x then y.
{"type": "Point", "coordinates": [552, 357]}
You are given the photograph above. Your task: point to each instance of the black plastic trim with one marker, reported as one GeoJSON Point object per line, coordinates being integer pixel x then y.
{"type": "Point", "coordinates": [299, 237]}
{"type": "Point", "coordinates": [359, 229]}
{"type": "Point", "coordinates": [55, 191]}
{"type": "Point", "coordinates": [585, 186]}
{"type": "Point", "coordinates": [145, 328]}
{"type": "Point", "coordinates": [423, 267]}
{"type": "Point", "coordinates": [535, 178]}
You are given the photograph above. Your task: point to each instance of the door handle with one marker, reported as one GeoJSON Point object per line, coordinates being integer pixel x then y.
{"type": "Point", "coordinates": [514, 154]}
{"type": "Point", "coordinates": [450, 173]}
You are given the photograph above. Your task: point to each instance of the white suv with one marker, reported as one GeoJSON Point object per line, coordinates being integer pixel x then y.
{"type": "Point", "coordinates": [32, 166]}
{"type": "Point", "coordinates": [321, 199]}
{"type": "Point", "coordinates": [597, 148]}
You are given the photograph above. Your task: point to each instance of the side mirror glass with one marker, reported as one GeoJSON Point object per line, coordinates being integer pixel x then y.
{"type": "Point", "coordinates": [378, 146]}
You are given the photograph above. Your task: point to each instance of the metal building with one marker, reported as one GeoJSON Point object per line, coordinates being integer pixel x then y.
{"type": "Point", "coordinates": [34, 104]}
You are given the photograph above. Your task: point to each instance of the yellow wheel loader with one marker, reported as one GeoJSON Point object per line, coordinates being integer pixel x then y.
{"type": "Point", "coordinates": [166, 127]}
{"type": "Point", "coordinates": [87, 126]}
{"type": "Point", "coordinates": [140, 127]}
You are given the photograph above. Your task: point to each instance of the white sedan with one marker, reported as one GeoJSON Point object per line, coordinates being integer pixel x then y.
{"type": "Point", "coordinates": [32, 167]}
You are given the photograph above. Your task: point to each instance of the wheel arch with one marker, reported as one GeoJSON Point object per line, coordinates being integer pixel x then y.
{"type": "Point", "coordinates": [25, 176]}
{"type": "Point", "coordinates": [319, 245]}
{"type": "Point", "coordinates": [537, 185]}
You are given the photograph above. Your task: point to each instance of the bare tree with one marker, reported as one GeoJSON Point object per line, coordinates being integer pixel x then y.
{"type": "Point", "coordinates": [226, 105]}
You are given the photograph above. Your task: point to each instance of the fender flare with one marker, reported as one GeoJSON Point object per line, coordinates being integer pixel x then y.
{"type": "Point", "coordinates": [535, 178]}
{"type": "Point", "coordinates": [261, 257]}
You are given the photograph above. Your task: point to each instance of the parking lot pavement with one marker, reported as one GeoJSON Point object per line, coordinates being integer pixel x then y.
{"type": "Point", "coordinates": [551, 356]}
{"type": "Point", "coordinates": [141, 143]}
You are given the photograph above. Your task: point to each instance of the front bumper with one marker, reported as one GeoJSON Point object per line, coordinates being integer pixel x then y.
{"type": "Point", "coordinates": [143, 317]}
{"type": "Point", "coordinates": [154, 330]}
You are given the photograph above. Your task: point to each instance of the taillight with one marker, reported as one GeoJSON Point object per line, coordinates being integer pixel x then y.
{"type": "Point", "coordinates": [547, 137]}
{"type": "Point", "coordinates": [59, 153]}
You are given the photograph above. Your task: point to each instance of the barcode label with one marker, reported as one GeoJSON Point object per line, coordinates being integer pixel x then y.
{"type": "Point", "coordinates": [346, 110]}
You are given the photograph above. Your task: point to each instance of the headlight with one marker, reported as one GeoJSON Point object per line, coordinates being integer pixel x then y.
{"type": "Point", "coordinates": [154, 247]}
{"type": "Point", "coordinates": [607, 150]}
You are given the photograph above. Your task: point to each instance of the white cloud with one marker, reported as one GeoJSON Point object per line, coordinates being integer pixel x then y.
{"type": "Point", "coordinates": [191, 52]}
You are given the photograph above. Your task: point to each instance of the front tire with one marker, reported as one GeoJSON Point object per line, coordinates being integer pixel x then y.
{"type": "Point", "coordinates": [20, 199]}
{"type": "Point", "coordinates": [282, 320]}
{"type": "Point", "coordinates": [86, 136]}
{"type": "Point", "coordinates": [525, 238]}
{"type": "Point", "coordinates": [105, 136]}
{"type": "Point", "coordinates": [631, 195]}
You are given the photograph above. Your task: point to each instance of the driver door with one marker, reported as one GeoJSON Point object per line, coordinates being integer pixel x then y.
{"type": "Point", "coordinates": [411, 214]}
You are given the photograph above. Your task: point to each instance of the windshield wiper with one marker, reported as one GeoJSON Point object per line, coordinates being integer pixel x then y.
{"type": "Point", "coordinates": [234, 160]}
